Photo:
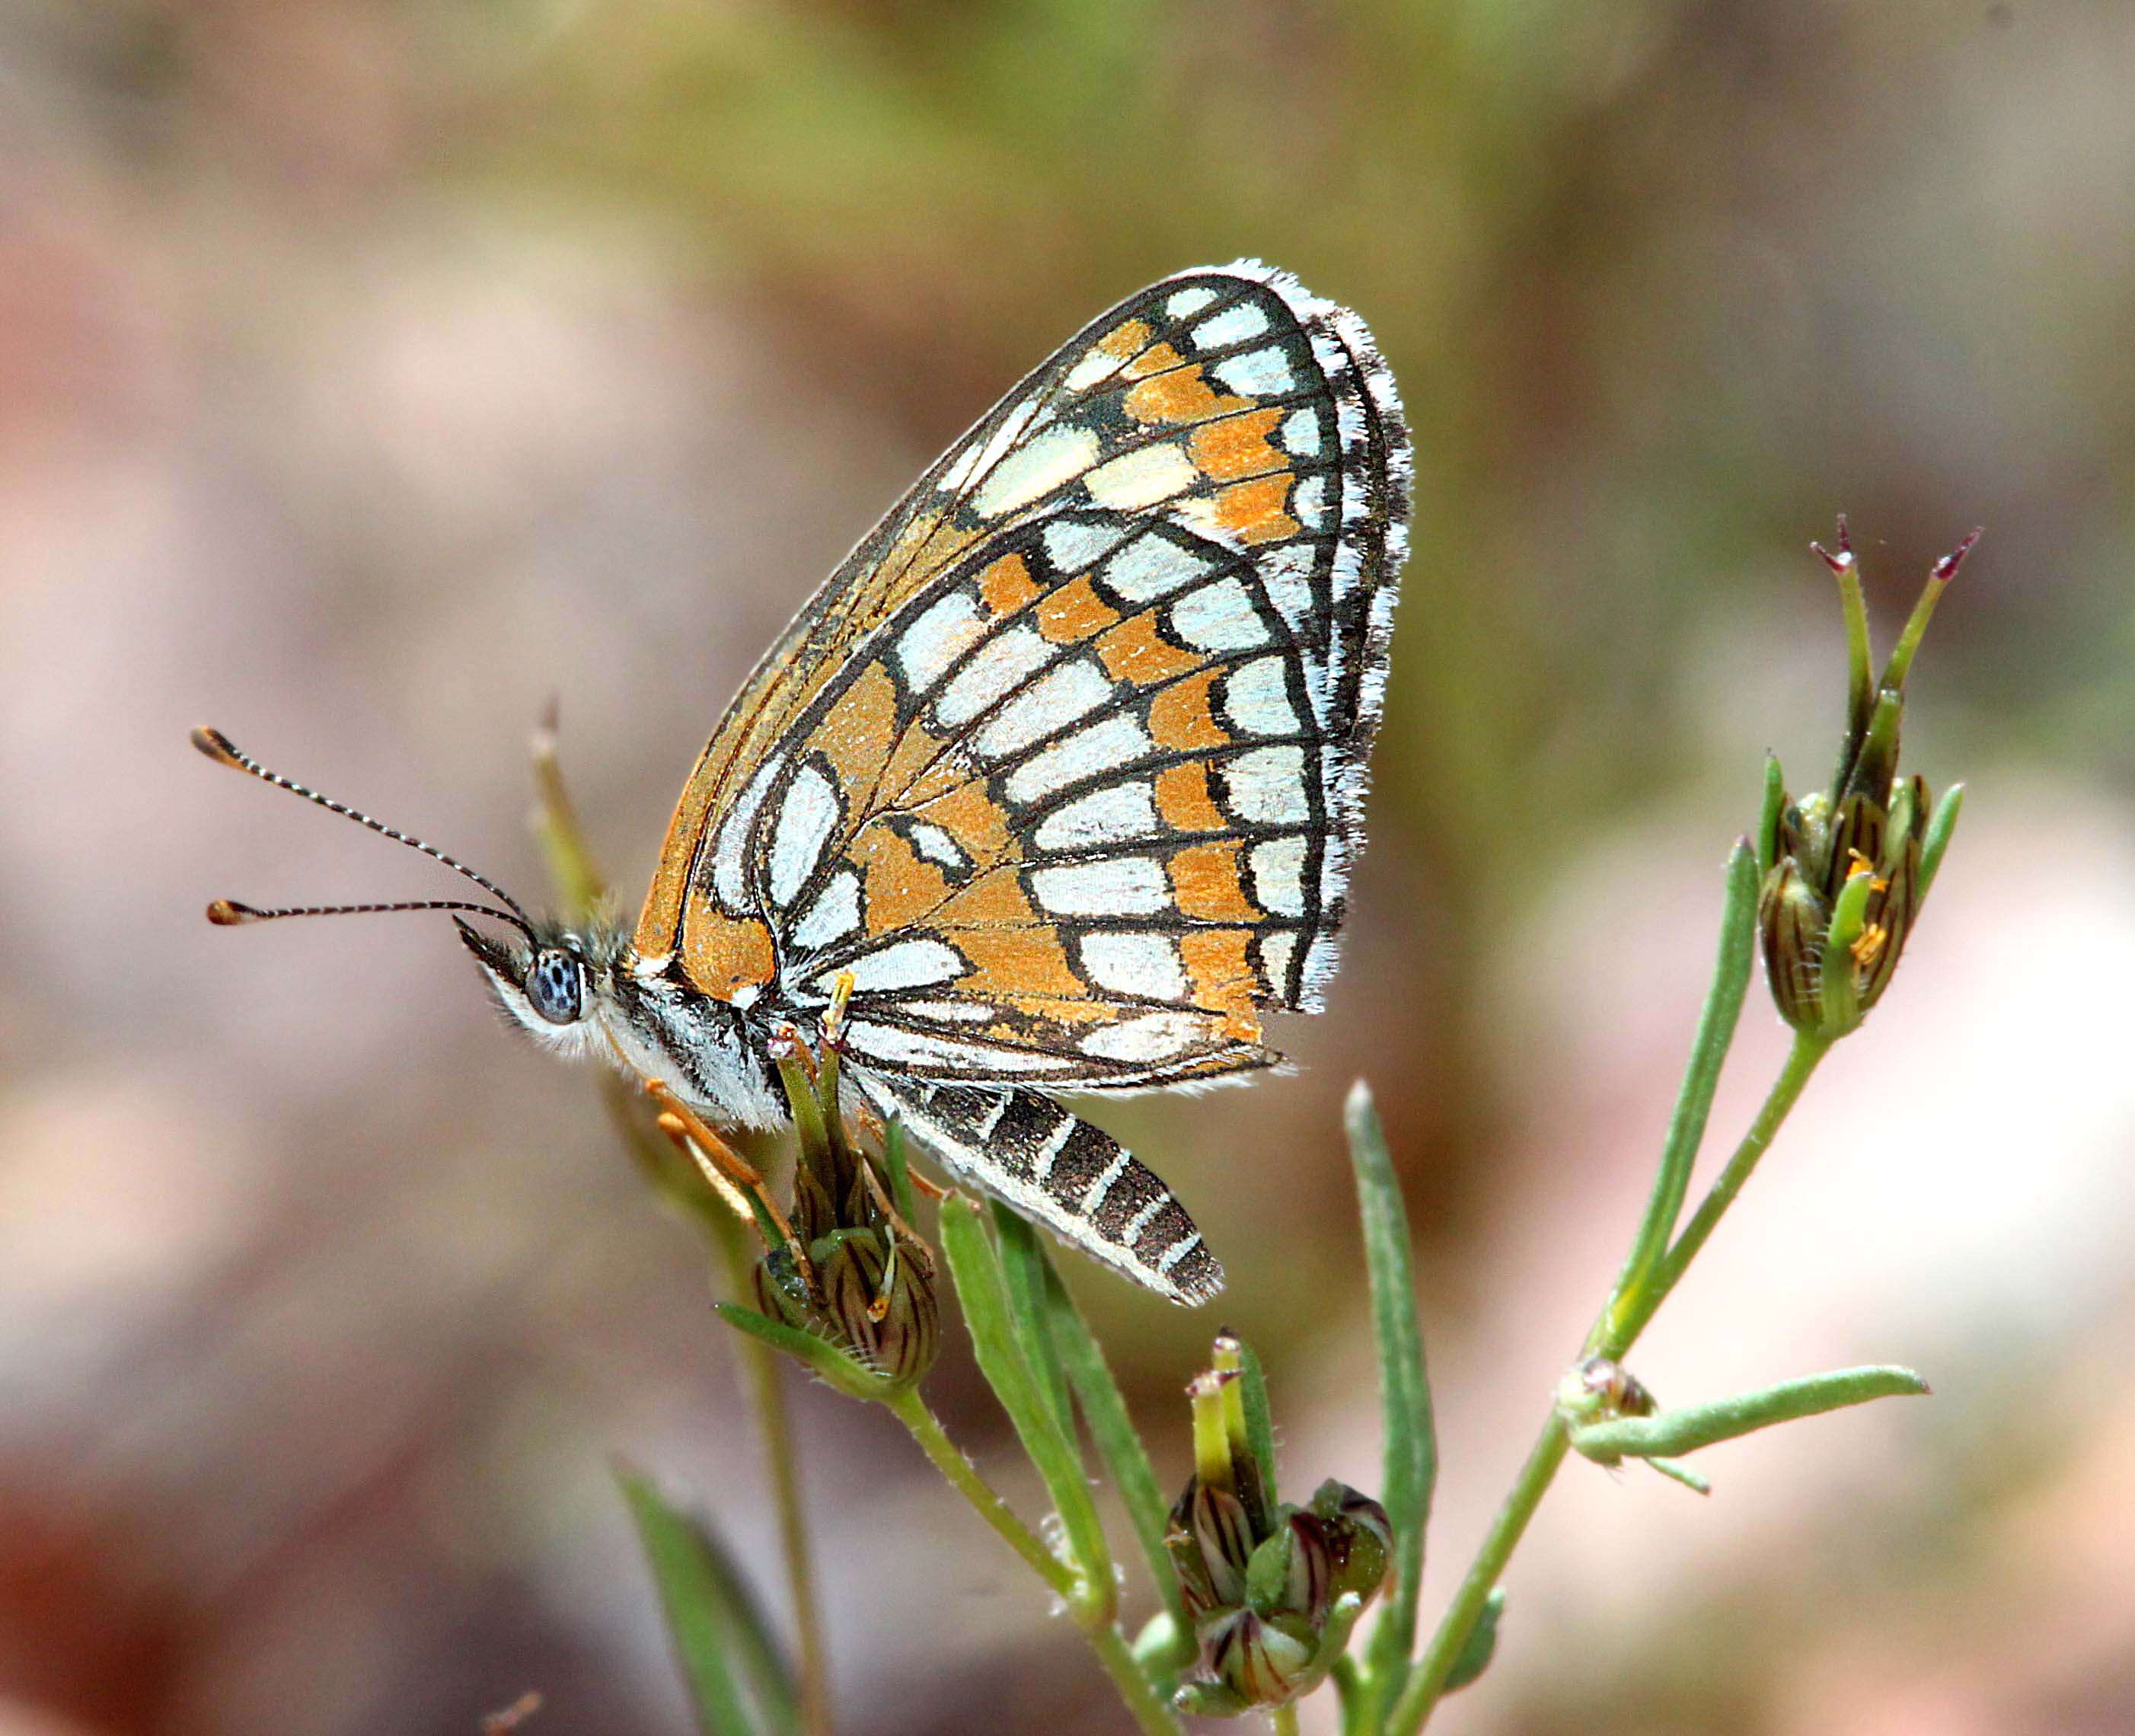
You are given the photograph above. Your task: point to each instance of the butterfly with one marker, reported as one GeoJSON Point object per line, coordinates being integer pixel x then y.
{"type": "Point", "coordinates": [1060, 777]}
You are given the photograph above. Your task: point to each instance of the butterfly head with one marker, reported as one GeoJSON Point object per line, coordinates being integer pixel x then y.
{"type": "Point", "coordinates": [551, 981]}
{"type": "Point", "coordinates": [554, 983]}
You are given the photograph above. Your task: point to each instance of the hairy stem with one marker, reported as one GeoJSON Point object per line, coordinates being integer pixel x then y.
{"type": "Point", "coordinates": [1802, 1061]}
{"type": "Point", "coordinates": [1151, 1714]}
{"type": "Point", "coordinates": [767, 1392]}
{"type": "Point", "coordinates": [1427, 1683]}
{"type": "Point", "coordinates": [1623, 1323]}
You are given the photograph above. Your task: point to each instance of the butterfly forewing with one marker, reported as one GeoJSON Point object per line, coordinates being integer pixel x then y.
{"type": "Point", "coordinates": [1065, 764]}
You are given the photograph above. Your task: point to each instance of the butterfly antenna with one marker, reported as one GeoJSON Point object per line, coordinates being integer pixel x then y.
{"type": "Point", "coordinates": [219, 747]}
{"type": "Point", "coordinates": [229, 913]}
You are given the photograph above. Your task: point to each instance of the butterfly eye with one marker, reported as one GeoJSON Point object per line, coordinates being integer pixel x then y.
{"type": "Point", "coordinates": [553, 986]}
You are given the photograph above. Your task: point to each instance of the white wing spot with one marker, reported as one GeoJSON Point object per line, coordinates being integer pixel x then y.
{"type": "Point", "coordinates": [1219, 617]}
{"type": "Point", "coordinates": [1142, 478]}
{"type": "Point", "coordinates": [891, 1042]}
{"type": "Point", "coordinates": [1233, 325]}
{"type": "Point", "coordinates": [1255, 374]}
{"type": "Point", "coordinates": [1152, 566]}
{"type": "Point", "coordinates": [1187, 302]}
{"type": "Point", "coordinates": [938, 846]}
{"type": "Point", "coordinates": [1125, 886]}
{"type": "Point", "coordinates": [1266, 786]}
{"type": "Point", "coordinates": [729, 848]}
{"type": "Point", "coordinates": [1153, 1037]}
{"type": "Point", "coordinates": [1300, 433]}
{"type": "Point", "coordinates": [835, 914]}
{"type": "Point", "coordinates": [1307, 502]}
{"type": "Point", "coordinates": [1112, 816]}
{"type": "Point", "coordinates": [1072, 544]}
{"type": "Point", "coordinates": [906, 964]}
{"type": "Point", "coordinates": [991, 671]}
{"type": "Point", "coordinates": [1048, 461]}
{"type": "Point", "coordinates": [976, 458]}
{"type": "Point", "coordinates": [805, 820]}
{"type": "Point", "coordinates": [1278, 867]}
{"type": "Point", "coordinates": [1107, 745]}
{"type": "Point", "coordinates": [1144, 965]}
{"type": "Point", "coordinates": [948, 1013]}
{"type": "Point", "coordinates": [1257, 697]}
{"type": "Point", "coordinates": [1094, 366]}
{"type": "Point", "coordinates": [1070, 691]}
{"type": "Point", "coordinates": [941, 633]}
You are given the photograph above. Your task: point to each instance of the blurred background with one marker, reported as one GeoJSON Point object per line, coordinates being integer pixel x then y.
{"type": "Point", "coordinates": [371, 374]}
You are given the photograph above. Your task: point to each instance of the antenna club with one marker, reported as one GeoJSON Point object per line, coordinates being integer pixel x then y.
{"type": "Point", "coordinates": [216, 744]}
{"type": "Point", "coordinates": [225, 913]}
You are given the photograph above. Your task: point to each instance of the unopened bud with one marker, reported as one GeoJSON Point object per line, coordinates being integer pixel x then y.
{"type": "Point", "coordinates": [1263, 1660]}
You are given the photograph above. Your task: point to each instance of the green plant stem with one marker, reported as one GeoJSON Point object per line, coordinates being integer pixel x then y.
{"type": "Point", "coordinates": [1284, 1720]}
{"type": "Point", "coordinates": [767, 1391]}
{"type": "Point", "coordinates": [1802, 1061]}
{"type": "Point", "coordinates": [1151, 1714]}
{"type": "Point", "coordinates": [1427, 1685]}
{"type": "Point", "coordinates": [1427, 1682]}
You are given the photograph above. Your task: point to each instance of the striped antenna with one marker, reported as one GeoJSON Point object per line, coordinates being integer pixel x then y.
{"type": "Point", "coordinates": [227, 912]}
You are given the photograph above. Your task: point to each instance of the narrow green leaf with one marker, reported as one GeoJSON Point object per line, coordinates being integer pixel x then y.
{"type": "Point", "coordinates": [1686, 1428]}
{"type": "Point", "coordinates": [1259, 1420]}
{"type": "Point", "coordinates": [835, 1367]}
{"type": "Point", "coordinates": [1731, 970]}
{"type": "Point", "coordinates": [1839, 994]}
{"type": "Point", "coordinates": [1940, 825]}
{"type": "Point", "coordinates": [1126, 1460]}
{"type": "Point", "coordinates": [1481, 1647]}
{"type": "Point", "coordinates": [1677, 1472]}
{"type": "Point", "coordinates": [1768, 819]}
{"type": "Point", "coordinates": [974, 1266]}
{"type": "Point", "coordinates": [739, 1682]}
{"type": "Point", "coordinates": [1023, 1274]}
{"type": "Point", "coordinates": [1411, 1445]}
{"type": "Point", "coordinates": [900, 1173]}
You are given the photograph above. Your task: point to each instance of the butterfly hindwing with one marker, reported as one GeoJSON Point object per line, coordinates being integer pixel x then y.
{"type": "Point", "coordinates": [1235, 447]}
{"type": "Point", "coordinates": [1068, 768]}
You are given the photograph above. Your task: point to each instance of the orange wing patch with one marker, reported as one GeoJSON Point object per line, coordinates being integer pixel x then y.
{"type": "Point", "coordinates": [1180, 716]}
{"type": "Point", "coordinates": [1134, 651]}
{"type": "Point", "coordinates": [901, 885]}
{"type": "Point", "coordinates": [1206, 883]}
{"type": "Point", "coordinates": [1223, 978]}
{"type": "Point", "coordinates": [723, 954]}
{"type": "Point", "coordinates": [1074, 612]}
{"type": "Point", "coordinates": [1006, 586]}
{"type": "Point", "coordinates": [1184, 799]}
{"type": "Point", "coordinates": [1237, 445]}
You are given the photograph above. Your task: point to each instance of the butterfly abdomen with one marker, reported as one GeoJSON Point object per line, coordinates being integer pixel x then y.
{"type": "Point", "coordinates": [1055, 1167]}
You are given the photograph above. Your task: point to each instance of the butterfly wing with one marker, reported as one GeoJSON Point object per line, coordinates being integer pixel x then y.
{"type": "Point", "coordinates": [1065, 765]}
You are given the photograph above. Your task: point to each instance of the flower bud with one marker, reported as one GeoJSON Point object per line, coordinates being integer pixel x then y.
{"type": "Point", "coordinates": [1290, 1572]}
{"type": "Point", "coordinates": [1845, 873]}
{"type": "Point", "coordinates": [873, 1300]}
{"type": "Point", "coordinates": [1273, 1591]}
{"type": "Point", "coordinates": [1211, 1544]}
{"type": "Point", "coordinates": [1360, 1539]}
{"type": "Point", "coordinates": [1263, 1660]}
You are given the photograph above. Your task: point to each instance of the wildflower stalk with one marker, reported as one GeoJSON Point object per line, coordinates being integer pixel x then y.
{"type": "Point", "coordinates": [1151, 1714]}
{"type": "Point", "coordinates": [1629, 1311]}
{"type": "Point", "coordinates": [583, 888]}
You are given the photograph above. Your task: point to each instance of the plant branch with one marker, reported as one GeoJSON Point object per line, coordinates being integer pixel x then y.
{"type": "Point", "coordinates": [767, 1392]}
{"type": "Point", "coordinates": [1427, 1685]}
{"type": "Point", "coordinates": [1151, 1714]}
